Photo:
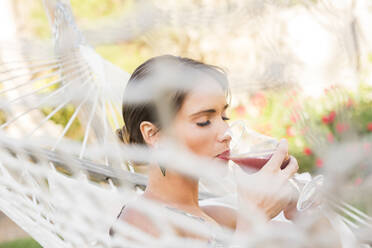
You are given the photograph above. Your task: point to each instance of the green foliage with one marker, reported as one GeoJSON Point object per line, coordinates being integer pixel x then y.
{"type": "Point", "coordinates": [82, 9]}
{"type": "Point", "coordinates": [370, 57]}
{"type": "Point", "coordinates": [21, 243]}
{"type": "Point", "coordinates": [127, 56]}
{"type": "Point", "coordinates": [362, 114]}
{"type": "Point", "coordinates": [93, 9]}
{"type": "Point", "coordinates": [333, 116]}
{"type": "Point", "coordinates": [39, 21]}
{"type": "Point", "coordinates": [62, 117]}
{"type": "Point", "coordinates": [2, 117]}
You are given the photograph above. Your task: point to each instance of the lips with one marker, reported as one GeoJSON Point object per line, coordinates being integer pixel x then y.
{"type": "Point", "coordinates": [225, 155]}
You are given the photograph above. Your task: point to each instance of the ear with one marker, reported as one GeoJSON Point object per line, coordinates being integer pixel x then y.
{"type": "Point", "coordinates": [149, 132]}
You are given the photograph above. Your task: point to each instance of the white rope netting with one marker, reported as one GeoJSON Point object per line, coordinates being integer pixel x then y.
{"type": "Point", "coordinates": [67, 194]}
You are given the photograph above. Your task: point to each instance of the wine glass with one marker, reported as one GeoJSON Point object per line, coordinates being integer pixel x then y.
{"type": "Point", "coordinates": [252, 150]}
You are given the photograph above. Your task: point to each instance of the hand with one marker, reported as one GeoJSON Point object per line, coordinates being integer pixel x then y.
{"type": "Point", "coordinates": [290, 211]}
{"type": "Point", "coordinates": [268, 189]}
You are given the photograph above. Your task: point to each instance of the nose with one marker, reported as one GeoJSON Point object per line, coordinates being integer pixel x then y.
{"type": "Point", "coordinates": [225, 134]}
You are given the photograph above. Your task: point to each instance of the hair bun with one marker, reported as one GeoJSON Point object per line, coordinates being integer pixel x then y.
{"type": "Point", "coordinates": [122, 134]}
{"type": "Point", "coordinates": [119, 133]}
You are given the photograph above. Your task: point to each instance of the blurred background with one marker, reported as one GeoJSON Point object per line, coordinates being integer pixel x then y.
{"type": "Point", "coordinates": [292, 65]}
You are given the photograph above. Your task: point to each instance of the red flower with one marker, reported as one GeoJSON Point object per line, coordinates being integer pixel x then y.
{"type": "Point", "coordinates": [332, 116]}
{"type": "Point", "coordinates": [330, 138]}
{"type": "Point", "coordinates": [319, 163]}
{"type": "Point", "coordinates": [325, 119]}
{"type": "Point", "coordinates": [341, 127]}
{"type": "Point", "coordinates": [308, 151]}
{"type": "Point", "coordinates": [369, 126]}
{"type": "Point", "coordinates": [240, 110]}
{"type": "Point", "coordinates": [290, 131]}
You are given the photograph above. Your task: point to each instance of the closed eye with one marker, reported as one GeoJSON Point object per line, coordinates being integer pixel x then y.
{"type": "Point", "coordinates": [203, 124]}
{"type": "Point", "coordinates": [225, 118]}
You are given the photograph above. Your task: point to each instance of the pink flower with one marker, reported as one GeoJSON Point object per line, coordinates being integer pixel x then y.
{"type": "Point", "coordinates": [369, 126]}
{"type": "Point", "coordinates": [330, 138]}
{"type": "Point", "coordinates": [288, 102]}
{"type": "Point", "coordinates": [294, 117]}
{"type": "Point", "coordinates": [294, 92]}
{"type": "Point", "coordinates": [290, 131]}
{"type": "Point", "coordinates": [358, 181]}
{"type": "Point", "coordinates": [367, 147]}
{"type": "Point", "coordinates": [350, 103]}
{"type": "Point", "coordinates": [319, 163]}
{"type": "Point", "coordinates": [341, 127]}
{"type": "Point", "coordinates": [308, 151]}
{"type": "Point", "coordinates": [259, 100]}
{"type": "Point", "coordinates": [240, 110]}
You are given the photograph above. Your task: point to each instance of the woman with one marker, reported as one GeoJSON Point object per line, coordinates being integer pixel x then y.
{"type": "Point", "coordinates": [197, 100]}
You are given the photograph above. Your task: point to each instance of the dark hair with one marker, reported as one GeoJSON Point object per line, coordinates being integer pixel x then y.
{"type": "Point", "coordinates": [180, 72]}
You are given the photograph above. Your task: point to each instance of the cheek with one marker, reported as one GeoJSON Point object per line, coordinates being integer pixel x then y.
{"type": "Point", "coordinates": [198, 140]}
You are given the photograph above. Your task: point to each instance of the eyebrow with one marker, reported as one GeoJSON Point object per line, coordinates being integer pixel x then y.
{"type": "Point", "coordinates": [208, 111]}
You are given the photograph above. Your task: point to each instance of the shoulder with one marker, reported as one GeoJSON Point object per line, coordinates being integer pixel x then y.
{"type": "Point", "coordinates": [223, 215]}
{"type": "Point", "coordinates": [138, 219]}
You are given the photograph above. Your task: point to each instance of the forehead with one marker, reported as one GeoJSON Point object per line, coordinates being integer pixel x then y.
{"type": "Point", "coordinates": [206, 95]}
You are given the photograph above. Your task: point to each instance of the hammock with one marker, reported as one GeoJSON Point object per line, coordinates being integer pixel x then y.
{"type": "Point", "coordinates": [67, 194]}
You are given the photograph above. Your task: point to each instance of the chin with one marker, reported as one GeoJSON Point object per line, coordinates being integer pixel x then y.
{"type": "Point", "coordinates": [222, 161]}
{"type": "Point", "coordinates": [224, 164]}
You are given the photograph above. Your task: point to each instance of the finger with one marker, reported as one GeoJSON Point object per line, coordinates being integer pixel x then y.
{"type": "Point", "coordinates": [282, 200]}
{"type": "Point", "coordinates": [286, 195]}
{"type": "Point", "coordinates": [291, 168]}
{"type": "Point", "coordinates": [279, 155]}
{"type": "Point", "coordinates": [290, 211]}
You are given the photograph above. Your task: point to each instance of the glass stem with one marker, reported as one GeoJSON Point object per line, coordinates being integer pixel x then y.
{"type": "Point", "coordinates": [296, 183]}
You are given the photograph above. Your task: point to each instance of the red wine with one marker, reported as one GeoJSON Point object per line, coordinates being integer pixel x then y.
{"type": "Point", "coordinates": [256, 163]}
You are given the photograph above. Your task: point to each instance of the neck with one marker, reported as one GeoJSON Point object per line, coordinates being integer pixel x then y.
{"type": "Point", "coordinates": [173, 189]}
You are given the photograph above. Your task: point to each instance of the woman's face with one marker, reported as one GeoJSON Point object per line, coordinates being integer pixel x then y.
{"type": "Point", "coordinates": [200, 124]}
